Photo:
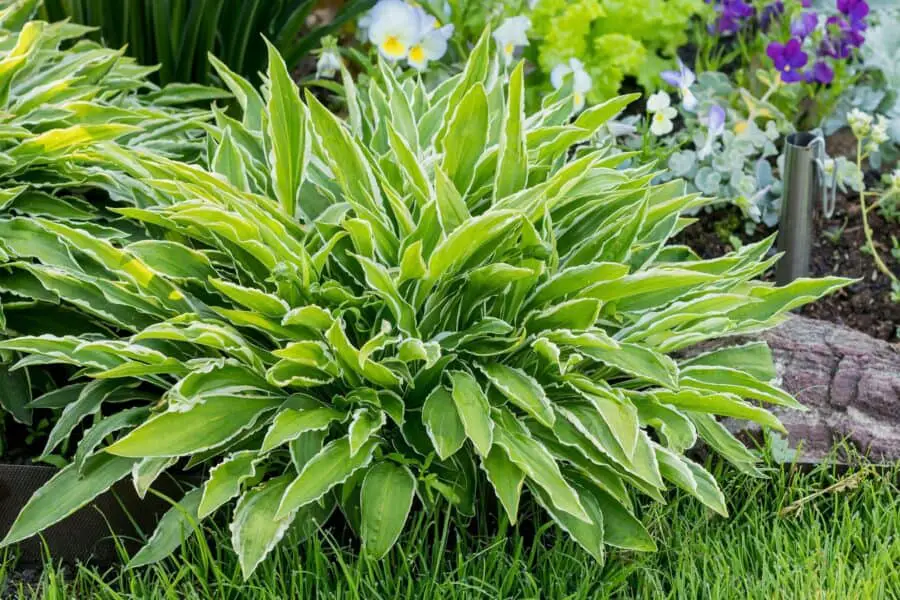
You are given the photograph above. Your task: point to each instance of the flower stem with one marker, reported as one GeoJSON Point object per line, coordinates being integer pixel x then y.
{"type": "Point", "coordinates": [866, 228]}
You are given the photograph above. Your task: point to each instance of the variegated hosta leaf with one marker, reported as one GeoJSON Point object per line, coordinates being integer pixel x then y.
{"type": "Point", "coordinates": [433, 298]}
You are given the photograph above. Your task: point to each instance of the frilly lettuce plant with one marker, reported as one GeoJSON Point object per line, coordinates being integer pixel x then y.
{"type": "Point", "coordinates": [434, 298]}
{"type": "Point", "coordinates": [613, 39]}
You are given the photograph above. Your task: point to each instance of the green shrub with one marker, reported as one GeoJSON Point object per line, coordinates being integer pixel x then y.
{"type": "Point", "coordinates": [437, 297]}
{"type": "Point", "coordinates": [178, 34]}
{"type": "Point", "coordinates": [55, 104]}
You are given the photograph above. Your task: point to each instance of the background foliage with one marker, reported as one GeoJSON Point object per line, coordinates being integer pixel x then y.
{"type": "Point", "coordinates": [179, 34]}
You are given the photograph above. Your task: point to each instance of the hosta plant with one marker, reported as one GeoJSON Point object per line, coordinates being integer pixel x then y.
{"type": "Point", "coordinates": [59, 95]}
{"type": "Point", "coordinates": [437, 297]}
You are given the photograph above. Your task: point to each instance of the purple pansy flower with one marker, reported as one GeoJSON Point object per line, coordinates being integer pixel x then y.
{"type": "Point", "coordinates": [682, 79]}
{"type": "Point", "coordinates": [856, 10]}
{"type": "Point", "coordinates": [789, 59]}
{"type": "Point", "coordinates": [715, 126]}
{"type": "Point", "coordinates": [820, 73]}
{"type": "Point", "coordinates": [732, 14]}
{"type": "Point", "coordinates": [803, 26]}
{"type": "Point", "coordinates": [770, 13]}
{"type": "Point", "coordinates": [841, 38]}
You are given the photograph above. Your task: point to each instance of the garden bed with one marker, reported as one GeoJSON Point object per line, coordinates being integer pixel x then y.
{"type": "Point", "coordinates": [865, 305]}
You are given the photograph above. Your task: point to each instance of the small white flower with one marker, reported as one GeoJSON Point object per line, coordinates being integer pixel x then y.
{"type": "Point", "coordinates": [772, 131]}
{"type": "Point", "coordinates": [394, 27]}
{"type": "Point", "coordinates": [432, 42]}
{"type": "Point", "coordinates": [860, 122]}
{"type": "Point", "coordinates": [511, 35]}
{"type": "Point", "coordinates": [880, 131]}
{"type": "Point", "coordinates": [581, 81]}
{"type": "Point", "coordinates": [328, 64]}
{"type": "Point", "coordinates": [828, 167]}
{"type": "Point", "coordinates": [659, 105]}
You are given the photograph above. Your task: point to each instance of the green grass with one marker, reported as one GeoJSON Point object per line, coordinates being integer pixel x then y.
{"type": "Point", "coordinates": [844, 542]}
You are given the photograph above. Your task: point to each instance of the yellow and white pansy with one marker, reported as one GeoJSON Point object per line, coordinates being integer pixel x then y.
{"type": "Point", "coordinates": [581, 81]}
{"type": "Point", "coordinates": [659, 106]}
{"type": "Point", "coordinates": [394, 27]}
{"type": "Point", "coordinates": [511, 35]}
{"type": "Point", "coordinates": [432, 42]}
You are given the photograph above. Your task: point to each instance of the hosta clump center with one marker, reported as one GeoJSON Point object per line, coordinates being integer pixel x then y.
{"type": "Point", "coordinates": [433, 297]}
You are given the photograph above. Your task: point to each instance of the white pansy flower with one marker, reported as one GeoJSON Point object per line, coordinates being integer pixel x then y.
{"type": "Point", "coordinates": [895, 179]}
{"type": "Point", "coordinates": [512, 34]}
{"type": "Point", "coordinates": [659, 106]}
{"type": "Point", "coordinates": [394, 27]}
{"type": "Point", "coordinates": [328, 64]}
{"type": "Point", "coordinates": [432, 41]}
{"type": "Point", "coordinates": [581, 81]}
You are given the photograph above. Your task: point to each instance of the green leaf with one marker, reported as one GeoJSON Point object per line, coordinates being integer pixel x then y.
{"type": "Point", "coordinates": [330, 467]}
{"type": "Point", "coordinates": [225, 480]}
{"type": "Point", "coordinates": [291, 423]}
{"type": "Point", "coordinates": [512, 170]}
{"type": "Point", "coordinates": [176, 526]}
{"type": "Point", "coordinates": [754, 358]}
{"type": "Point", "coordinates": [365, 423]}
{"type": "Point", "coordinates": [381, 282]}
{"type": "Point", "coordinates": [210, 422]}
{"type": "Point", "coordinates": [522, 390]}
{"type": "Point", "coordinates": [442, 423]}
{"type": "Point", "coordinates": [288, 131]}
{"type": "Point", "coordinates": [578, 314]}
{"type": "Point", "coordinates": [506, 479]}
{"type": "Point", "coordinates": [66, 492]}
{"type": "Point", "coordinates": [474, 410]}
{"type": "Point", "coordinates": [256, 527]}
{"type": "Point", "coordinates": [692, 478]}
{"type": "Point", "coordinates": [146, 471]}
{"type": "Point", "coordinates": [719, 403]}
{"type": "Point", "coordinates": [722, 441]}
{"type": "Point", "coordinates": [621, 528]}
{"type": "Point", "coordinates": [386, 497]}
{"type": "Point", "coordinates": [733, 381]}
{"type": "Point", "coordinates": [94, 436]}
{"type": "Point", "coordinates": [466, 137]}
{"type": "Point", "coordinates": [15, 394]}
{"type": "Point", "coordinates": [588, 534]}
{"type": "Point", "coordinates": [89, 402]}
{"type": "Point", "coordinates": [538, 464]}
{"type": "Point", "coordinates": [451, 208]}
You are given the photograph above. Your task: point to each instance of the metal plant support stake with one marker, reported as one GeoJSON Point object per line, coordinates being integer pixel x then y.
{"type": "Point", "coordinates": [804, 184]}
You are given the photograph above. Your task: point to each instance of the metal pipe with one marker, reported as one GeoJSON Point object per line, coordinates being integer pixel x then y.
{"type": "Point", "coordinates": [802, 186]}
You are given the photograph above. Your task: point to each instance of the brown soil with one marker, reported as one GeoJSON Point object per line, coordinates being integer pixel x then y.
{"type": "Point", "coordinates": [865, 305]}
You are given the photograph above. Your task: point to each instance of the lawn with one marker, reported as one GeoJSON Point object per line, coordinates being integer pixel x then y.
{"type": "Point", "coordinates": [842, 542]}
